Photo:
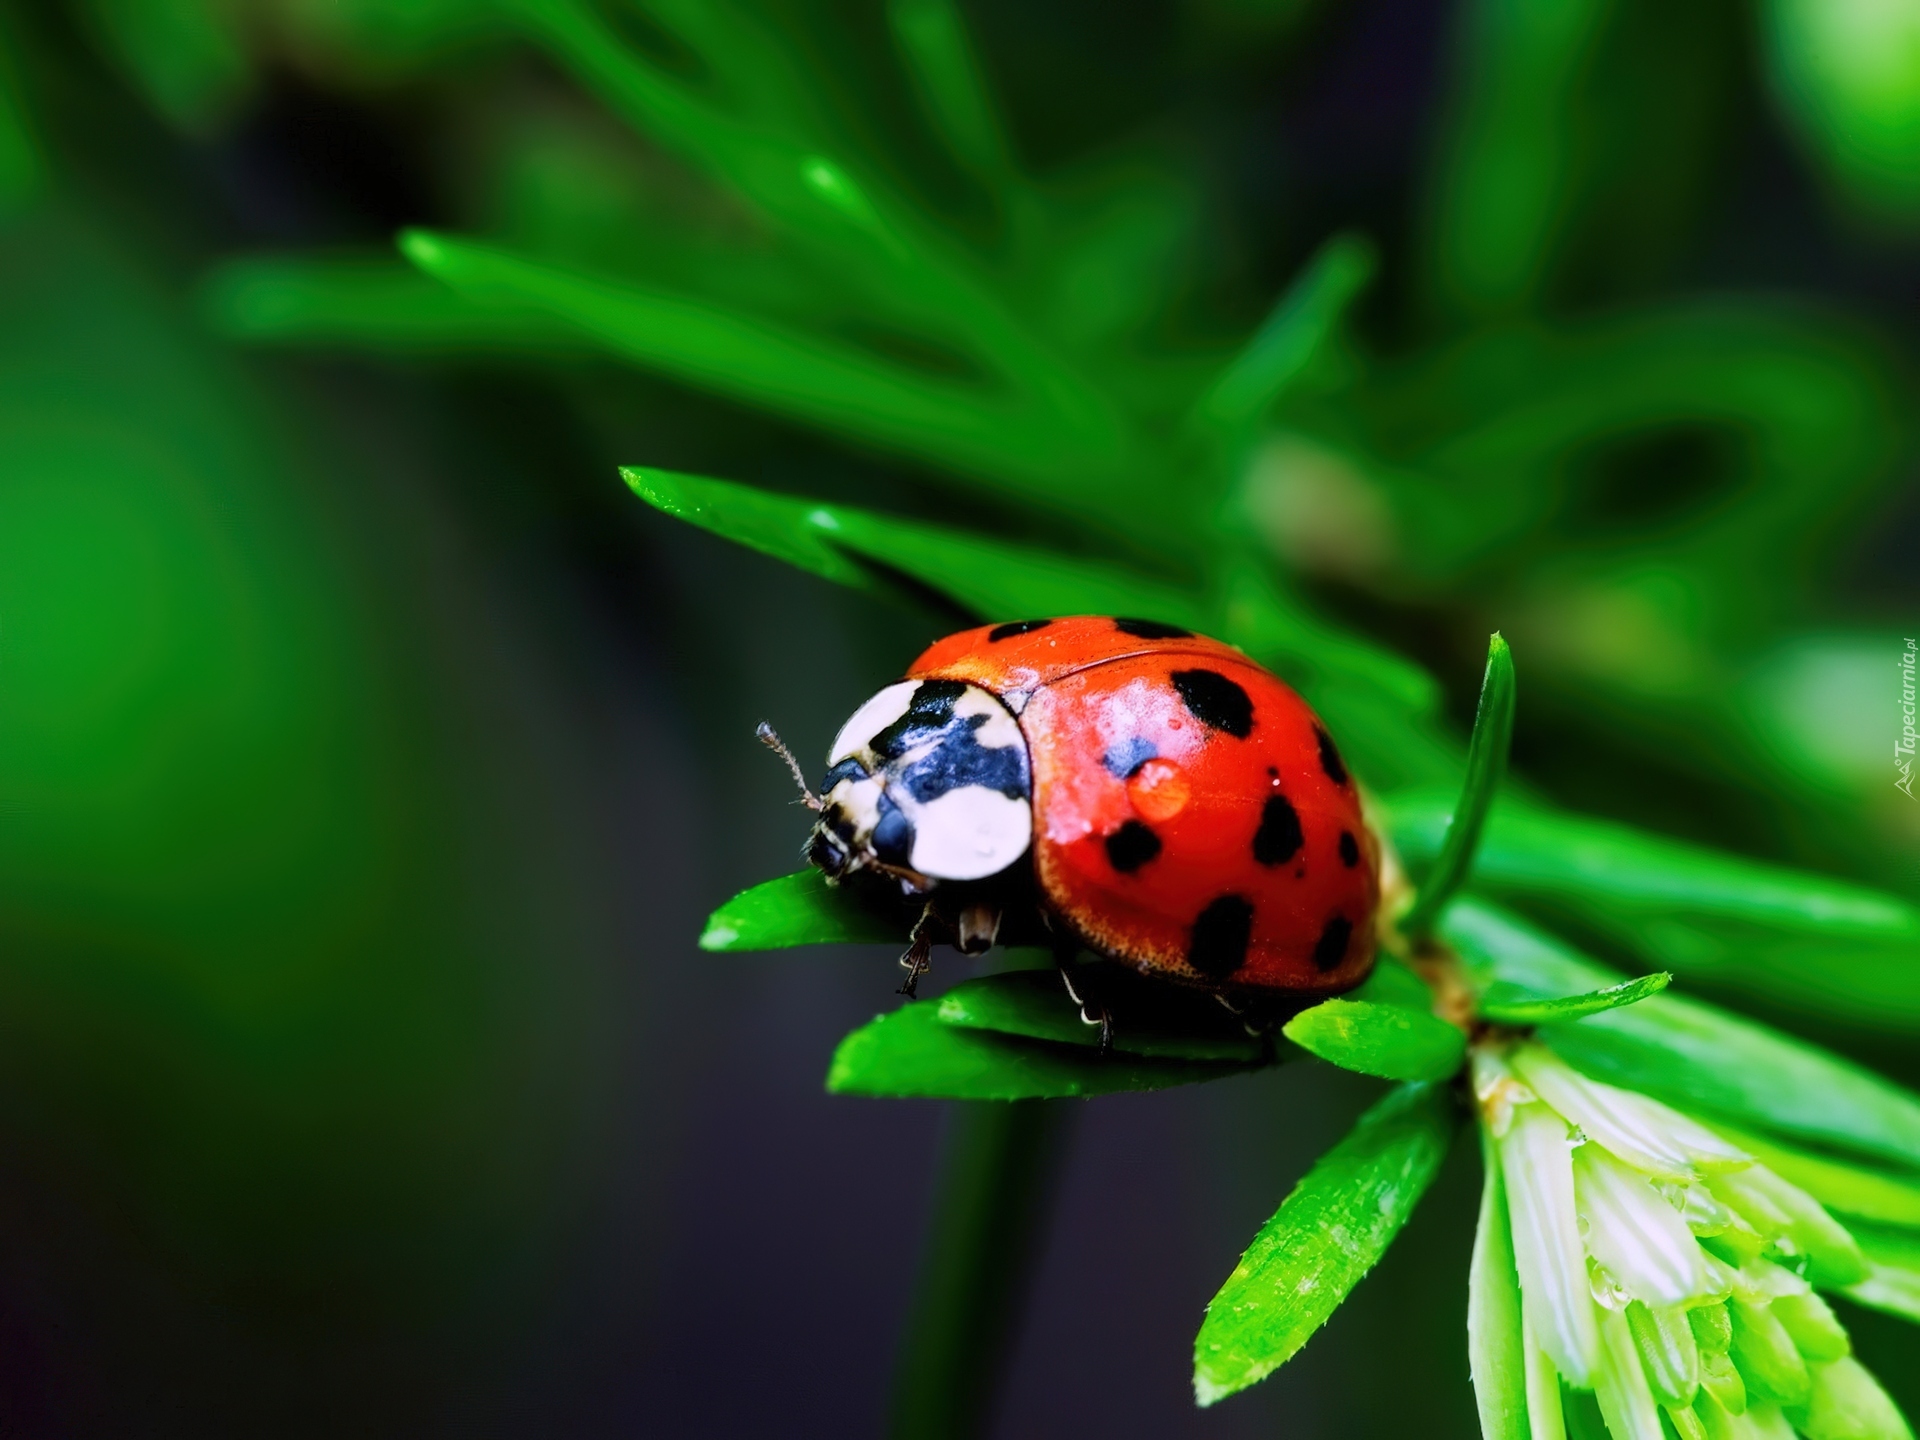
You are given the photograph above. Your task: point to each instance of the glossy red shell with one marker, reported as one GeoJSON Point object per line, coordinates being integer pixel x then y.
{"type": "Point", "coordinates": [1191, 815]}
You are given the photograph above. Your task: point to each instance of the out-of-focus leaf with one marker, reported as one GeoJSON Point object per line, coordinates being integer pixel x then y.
{"type": "Point", "coordinates": [799, 909]}
{"type": "Point", "coordinates": [1486, 767]}
{"type": "Point", "coordinates": [22, 167]}
{"type": "Point", "coordinates": [1157, 1020]}
{"type": "Point", "coordinates": [1510, 1006]}
{"type": "Point", "coordinates": [374, 303]}
{"type": "Point", "coordinates": [1880, 1196]}
{"type": "Point", "coordinates": [1893, 1275]}
{"type": "Point", "coordinates": [913, 1052]}
{"type": "Point", "coordinates": [185, 54]}
{"type": "Point", "coordinates": [1806, 940]}
{"type": "Point", "coordinates": [1848, 73]}
{"type": "Point", "coordinates": [933, 43]}
{"type": "Point", "coordinates": [988, 578]}
{"type": "Point", "coordinates": [1691, 1054]}
{"type": "Point", "coordinates": [1390, 1041]}
{"type": "Point", "coordinates": [1290, 338]}
{"type": "Point", "coordinates": [988, 432]}
{"type": "Point", "coordinates": [1331, 1230]}
{"type": "Point", "coordinates": [1496, 1342]}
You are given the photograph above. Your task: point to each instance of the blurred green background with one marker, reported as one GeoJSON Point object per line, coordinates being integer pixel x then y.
{"type": "Point", "coordinates": [369, 756]}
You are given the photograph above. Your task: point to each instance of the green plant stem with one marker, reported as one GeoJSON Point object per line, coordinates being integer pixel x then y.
{"type": "Point", "coordinates": [1486, 766]}
{"type": "Point", "coordinates": [996, 1177]}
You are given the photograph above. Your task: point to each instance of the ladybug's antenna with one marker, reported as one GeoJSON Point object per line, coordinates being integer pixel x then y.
{"type": "Point", "coordinates": [769, 738]}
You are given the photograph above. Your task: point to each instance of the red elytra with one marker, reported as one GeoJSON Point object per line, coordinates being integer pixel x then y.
{"type": "Point", "coordinates": [1191, 814]}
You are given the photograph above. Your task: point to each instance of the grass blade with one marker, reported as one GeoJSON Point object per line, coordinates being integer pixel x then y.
{"type": "Point", "coordinates": [1155, 1020]}
{"type": "Point", "coordinates": [799, 909]}
{"type": "Point", "coordinates": [1486, 765]}
{"type": "Point", "coordinates": [1691, 1054]}
{"type": "Point", "coordinates": [912, 1052]}
{"type": "Point", "coordinates": [1390, 1041]}
{"type": "Point", "coordinates": [933, 43]}
{"type": "Point", "coordinates": [1878, 1196]}
{"type": "Point", "coordinates": [1893, 1273]}
{"type": "Point", "coordinates": [1505, 1006]}
{"type": "Point", "coordinates": [1290, 338]}
{"type": "Point", "coordinates": [1496, 1341]}
{"type": "Point", "coordinates": [1332, 1229]}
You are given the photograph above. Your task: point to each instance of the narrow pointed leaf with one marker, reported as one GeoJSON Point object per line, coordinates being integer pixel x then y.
{"type": "Point", "coordinates": [800, 909]}
{"type": "Point", "coordinates": [1505, 1005]}
{"type": "Point", "coordinates": [1691, 1054]}
{"type": "Point", "coordinates": [1390, 1041]}
{"type": "Point", "coordinates": [1148, 1019]}
{"type": "Point", "coordinates": [987, 432]}
{"type": "Point", "coordinates": [1496, 1342]}
{"type": "Point", "coordinates": [1292, 336]}
{"type": "Point", "coordinates": [1333, 1228]}
{"type": "Point", "coordinates": [1486, 765]}
{"type": "Point", "coordinates": [933, 43]}
{"type": "Point", "coordinates": [914, 1053]}
{"type": "Point", "coordinates": [1807, 941]}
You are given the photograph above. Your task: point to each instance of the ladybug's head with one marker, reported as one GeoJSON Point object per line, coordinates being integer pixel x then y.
{"type": "Point", "coordinates": [928, 781]}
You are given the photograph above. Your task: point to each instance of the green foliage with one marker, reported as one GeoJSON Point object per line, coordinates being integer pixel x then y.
{"type": "Point", "coordinates": [1145, 1019]}
{"type": "Point", "coordinates": [1496, 1345]}
{"type": "Point", "coordinates": [916, 1052]}
{"type": "Point", "coordinates": [800, 909]}
{"type": "Point", "coordinates": [1506, 1005]}
{"type": "Point", "coordinates": [1387, 1040]}
{"type": "Point", "coordinates": [1331, 1230]}
{"type": "Point", "coordinates": [1694, 1055]}
{"type": "Point", "coordinates": [1486, 766]}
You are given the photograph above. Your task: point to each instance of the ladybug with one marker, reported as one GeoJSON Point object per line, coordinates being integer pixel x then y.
{"type": "Point", "coordinates": [1139, 790]}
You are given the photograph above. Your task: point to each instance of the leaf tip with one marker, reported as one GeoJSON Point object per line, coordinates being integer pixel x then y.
{"type": "Point", "coordinates": [719, 935]}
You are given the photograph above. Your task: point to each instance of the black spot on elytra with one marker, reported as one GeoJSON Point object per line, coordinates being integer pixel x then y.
{"type": "Point", "coordinates": [1330, 760]}
{"type": "Point", "coordinates": [1128, 756]}
{"type": "Point", "coordinates": [1331, 948]}
{"type": "Point", "coordinates": [1349, 849]}
{"type": "Point", "coordinates": [1013, 628]}
{"type": "Point", "coordinates": [1150, 629]}
{"type": "Point", "coordinates": [1279, 837]}
{"type": "Point", "coordinates": [1216, 701]}
{"type": "Point", "coordinates": [1131, 846]}
{"type": "Point", "coordinates": [1218, 946]}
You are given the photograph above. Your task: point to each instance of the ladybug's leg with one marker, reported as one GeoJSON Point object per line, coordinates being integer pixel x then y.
{"type": "Point", "coordinates": [978, 928]}
{"type": "Point", "coordinates": [1091, 1012]}
{"type": "Point", "coordinates": [919, 957]}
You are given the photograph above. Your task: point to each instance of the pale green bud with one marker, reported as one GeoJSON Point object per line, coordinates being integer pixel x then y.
{"type": "Point", "coordinates": [1815, 1329]}
{"type": "Point", "coordinates": [1844, 1402]}
{"type": "Point", "coordinates": [1668, 1353]}
{"type": "Point", "coordinates": [1768, 1359]}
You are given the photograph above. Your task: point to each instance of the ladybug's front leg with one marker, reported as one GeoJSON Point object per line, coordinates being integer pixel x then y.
{"type": "Point", "coordinates": [919, 957]}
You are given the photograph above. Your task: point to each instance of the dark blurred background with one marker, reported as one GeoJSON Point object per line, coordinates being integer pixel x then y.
{"type": "Point", "coordinates": [369, 757]}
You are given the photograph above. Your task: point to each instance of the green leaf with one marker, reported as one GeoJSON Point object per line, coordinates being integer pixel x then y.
{"type": "Point", "coordinates": [1505, 1005]}
{"type": "Point", "coordinates": [1852, 1190]}
{"type": "Point", "coordinates": [1496, 1343]}
{"type": "Point", "coordinates": [370, 302]}
{"type": "Point", "coordinates": [933, 43]}
{"type": "Point", "coordinates": [990, 433]}
{"type": "Point", "coordinates": [988, 578]}
{"type": "Point", "coordinates": [1486, 765]}
{"type": "Point", "coordinates": [1390, 1041]}
{"type": "Point", "coordinates": [1893, 1272]}
{"type": "Point", "coordinates": [912, 1052]}
{"type": "Point", "coordinates": [1332, 1229]}
{"type": "Point", "coordinates": [1290, 339]}
{"type": "Point", "coordinates": [1803, 940]}
{"type": "Point", "coordinates": [799, 909]}
{"type": "Point", "coordinates": [1149, 1018]}
{"type": "Point", "coordinates": [1692, 1054]}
